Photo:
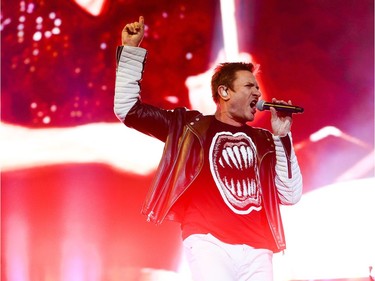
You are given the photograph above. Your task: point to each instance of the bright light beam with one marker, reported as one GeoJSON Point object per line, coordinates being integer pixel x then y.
{"type": "Point", "coordinates": [325, 132]}
{"type": "Point", "coordinates": [228, 21]}
{"type": "Point", "coordinates": [93, 7]}
{"type": "Point", "coordinates": [333, 131]}
{"type": "Point", "coordinates": [108, 143]}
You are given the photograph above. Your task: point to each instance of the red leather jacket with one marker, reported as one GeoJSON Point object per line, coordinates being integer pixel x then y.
{"type": "Point", "coordinates": [184, 132]}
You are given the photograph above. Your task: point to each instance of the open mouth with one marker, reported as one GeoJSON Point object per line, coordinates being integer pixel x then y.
{"type": "Point", "coordinates": [253, 103]}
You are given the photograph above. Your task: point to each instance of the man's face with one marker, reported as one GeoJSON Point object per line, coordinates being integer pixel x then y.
{"type": "Point", "coordinates": [243, 97]}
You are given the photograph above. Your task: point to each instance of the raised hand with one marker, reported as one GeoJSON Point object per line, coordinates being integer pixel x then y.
{"type": "Point", "coordinates": [132, 34]}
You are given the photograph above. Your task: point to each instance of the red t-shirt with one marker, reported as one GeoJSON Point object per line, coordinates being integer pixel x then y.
{"type": "Point", "coordinates": [225, 200]}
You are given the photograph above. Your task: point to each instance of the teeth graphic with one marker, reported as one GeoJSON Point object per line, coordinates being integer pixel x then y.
{"type": "Point", "coordinates": [239, 191]}
{"type": "Point", "coordinates": [244, 156]}
{"type": "Point", "coordinates": [241, 158]}
{"type": "Point", "coordinates": [249, 154]}
{"type": "Point", "coordinates": [226, 158]}
{"type": "Point", "coordinates": [253, 188]}
{"type": "Point", "coordinates": [232, 188]}
{"type": "Point", "coordinates": [234, 168]}
{"type": "Point", "coordinates": [238, 156]}
{"type": "Point", "coordinates": [231, 156]}
{"type": "Point", "coordinates": [250, 188]}
{"type": "Point", "coordinates": [230, 185]}
{"type": "Point", "coordinates": [244, 188]}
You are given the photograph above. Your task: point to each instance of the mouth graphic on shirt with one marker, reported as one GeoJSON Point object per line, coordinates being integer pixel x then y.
{"type": "Point", "coordinates": [234, 167]}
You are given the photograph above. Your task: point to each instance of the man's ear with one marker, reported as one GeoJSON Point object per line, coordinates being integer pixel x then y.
{"type": "Point", "coordinates": [223, 92]}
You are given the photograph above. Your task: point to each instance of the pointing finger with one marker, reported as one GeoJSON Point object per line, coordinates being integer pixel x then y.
{"type": "Point", "coordinates": [141, 21]}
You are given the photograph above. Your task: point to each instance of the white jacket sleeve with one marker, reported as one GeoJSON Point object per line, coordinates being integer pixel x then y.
{"type": "Point", "coordinates": [128, 76]}
{"type": "Point", "coordinates": [288, 175]}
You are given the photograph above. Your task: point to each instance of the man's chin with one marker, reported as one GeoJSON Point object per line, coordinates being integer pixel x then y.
{"type": "Point", "coordinates": [251, 118]}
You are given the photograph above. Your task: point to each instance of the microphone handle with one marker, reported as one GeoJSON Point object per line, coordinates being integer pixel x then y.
{"type": "Point", "coordinates": [283, 107]}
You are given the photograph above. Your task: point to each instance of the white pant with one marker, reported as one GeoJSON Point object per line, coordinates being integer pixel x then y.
{"type": "Point", "coordinates": [212, 260]}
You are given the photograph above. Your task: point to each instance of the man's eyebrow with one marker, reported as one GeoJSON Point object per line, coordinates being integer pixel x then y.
{"type": "Point", "coordinates": [251, 84]}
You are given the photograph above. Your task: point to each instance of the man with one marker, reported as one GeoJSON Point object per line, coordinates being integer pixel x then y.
{"type": "Point", "coordinates": [222, 179]}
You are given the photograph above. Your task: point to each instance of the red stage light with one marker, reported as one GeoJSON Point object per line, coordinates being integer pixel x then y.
{"type": "Point", "coordinates": [93, 7]}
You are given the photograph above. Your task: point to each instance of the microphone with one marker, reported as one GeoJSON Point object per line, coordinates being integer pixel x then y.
{"type": "Point", "coordinates": [262, 105]}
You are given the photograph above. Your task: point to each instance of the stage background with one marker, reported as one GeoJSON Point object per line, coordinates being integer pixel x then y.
{"type": "Point", "coordinates": [73, 177]}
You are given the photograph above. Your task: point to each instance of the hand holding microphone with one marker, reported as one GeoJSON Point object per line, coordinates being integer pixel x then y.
{"type": "Point", "coordinates": [281, 119]}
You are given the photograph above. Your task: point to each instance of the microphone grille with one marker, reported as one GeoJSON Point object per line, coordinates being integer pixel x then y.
{"type": "Point", "coordinates": [260, 105]}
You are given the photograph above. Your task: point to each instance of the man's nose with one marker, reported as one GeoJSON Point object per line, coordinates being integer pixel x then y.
{"type": "Point", "coordinates": [257, 93]}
